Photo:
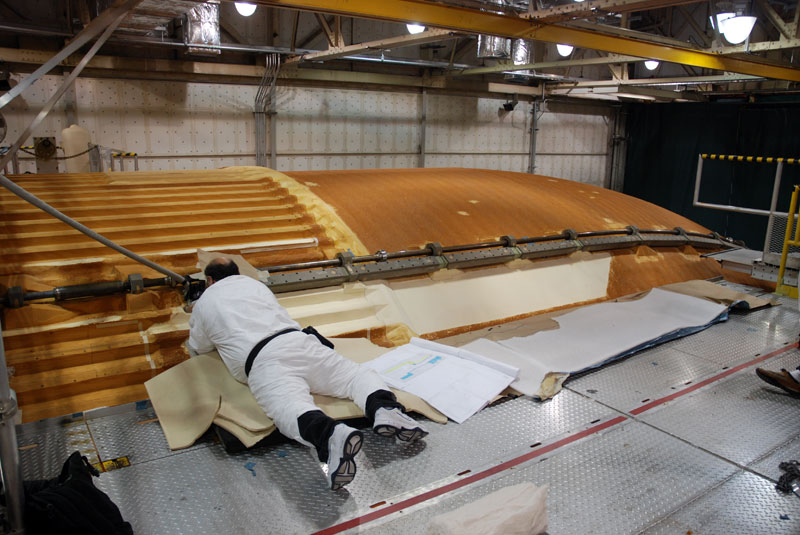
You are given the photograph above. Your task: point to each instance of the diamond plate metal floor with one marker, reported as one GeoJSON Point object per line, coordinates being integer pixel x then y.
{"type": "Point", "coordinates": [633, 447]}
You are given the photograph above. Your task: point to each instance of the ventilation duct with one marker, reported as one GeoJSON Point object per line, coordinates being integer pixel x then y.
{"type": "Point", "coordinates": [149, 17]}
{"type": "Point", "coordinates": [521, 54]}
{"type": "Point", "coordinates": [491, 46]}
{"type": "Point", "coordinates": [202, 28]}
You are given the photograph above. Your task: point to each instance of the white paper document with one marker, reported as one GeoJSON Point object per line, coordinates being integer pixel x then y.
{"type": "Point", "coordinates": [457, 386]}
{"type": "Point", "coordinates": [531, 373]}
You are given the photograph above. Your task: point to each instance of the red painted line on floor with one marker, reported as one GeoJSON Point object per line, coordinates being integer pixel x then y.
{"type": "Point", "coordinates": [433, 493]}
{"type": "Point", "coordinates": [701, 384]}
{"type": "Point", "coordinates": [425, 496]}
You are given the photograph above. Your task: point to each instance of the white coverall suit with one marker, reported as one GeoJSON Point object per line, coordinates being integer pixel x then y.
{"type": "Point", "coordinates": [237, 312]}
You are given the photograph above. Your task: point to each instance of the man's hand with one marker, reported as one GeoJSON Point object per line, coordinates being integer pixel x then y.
{"type": "Point", "coordinates": [188, 308]}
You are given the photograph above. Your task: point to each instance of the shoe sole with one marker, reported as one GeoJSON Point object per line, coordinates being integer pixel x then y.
{"type": "Point", "coordinates": [346, 471]}
{"type": "Point", "coordinates": [406, 435]}
{"type": "Point", "coordinates": [774, 382]}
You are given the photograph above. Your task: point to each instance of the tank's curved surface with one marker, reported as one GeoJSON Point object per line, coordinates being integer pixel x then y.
{"type": "Point", "coordinates": [76, 355]}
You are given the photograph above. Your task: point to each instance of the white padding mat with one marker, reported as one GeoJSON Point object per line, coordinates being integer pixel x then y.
{"type": "Point", "coordinates": [591, 336]}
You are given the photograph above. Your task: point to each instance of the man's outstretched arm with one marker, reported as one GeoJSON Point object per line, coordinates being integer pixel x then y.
{"type": "Point", "coordinates": [198, 340]}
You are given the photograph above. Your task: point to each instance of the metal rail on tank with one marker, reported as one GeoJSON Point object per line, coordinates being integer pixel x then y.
{"type": "Point", "coordinates": [384, 265]}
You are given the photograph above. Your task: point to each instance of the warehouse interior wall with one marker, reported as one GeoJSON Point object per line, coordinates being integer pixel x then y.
{"type": "Point", "coordinates": [664, 141]}
{"type": "Point", "coordinates": [179, 125]}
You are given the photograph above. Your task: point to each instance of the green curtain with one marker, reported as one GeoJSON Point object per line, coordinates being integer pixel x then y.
{"type": "Point", "coordinates": [665, 139]}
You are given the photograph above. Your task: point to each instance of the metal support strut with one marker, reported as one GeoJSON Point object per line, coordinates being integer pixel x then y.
{"type": "Point", "coordinates": [9, 452]}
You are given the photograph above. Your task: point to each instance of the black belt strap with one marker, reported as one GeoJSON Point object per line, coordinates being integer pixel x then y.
{"type": "Point", "coordinates": [259, 346]}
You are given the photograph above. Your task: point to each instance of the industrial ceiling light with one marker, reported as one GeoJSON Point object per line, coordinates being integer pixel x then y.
{"type": "Point", "coordinates": [564, 50]}
{"type": "Point", "coordinates": [245, 9]}
{"type": "Point", "coordinates": [715, 20]}
{"type": "Point", "coordinates": [651, 64]}
{"type": "Point", "coordinates": [415, 28]}
{"type": "Point", "coordinates": [736, 29]}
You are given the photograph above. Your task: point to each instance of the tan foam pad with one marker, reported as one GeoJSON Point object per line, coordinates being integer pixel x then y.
{"type": "Point", "coordinates": [191, 396]}
{"type": "Point", "coordinates": [245, 268]}
{"type": "Point", "coordinates": [186, 399]}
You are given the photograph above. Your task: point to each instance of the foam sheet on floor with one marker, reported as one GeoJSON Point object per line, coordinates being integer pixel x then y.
{"type": "Point", "coordinates": [191, 396]}
{"type": "Point", "coordinates": [593, 335]}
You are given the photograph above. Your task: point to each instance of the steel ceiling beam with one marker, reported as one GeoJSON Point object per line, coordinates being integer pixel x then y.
{"type": "Point", "coordinates": [775, 19]}
{"type": "Point", "coordinates": [591, 7]}
{"type": "Point", "coordinates": [763, 46]}
{"type": "Point", "coordinates": [630, 34]}
{"type": "Point", "coordinates": [676, 80]}
{"type": "Point", "coordinates": [613, 58]}
{"type": "Point", "coordinates": [485, 22]}
{"type": "Point", "coordinates": [428, 36]}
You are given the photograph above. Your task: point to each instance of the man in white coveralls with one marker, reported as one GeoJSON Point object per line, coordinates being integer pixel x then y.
{"type": "Point", "coordinates": [263, 347]}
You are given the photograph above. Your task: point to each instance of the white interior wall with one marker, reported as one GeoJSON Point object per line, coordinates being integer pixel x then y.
{"type": "Point", "coordinates": [474, 132]}
{"type": "Point", "coordinates": [178, 125]}
{"type": "Point", "coordinates": [573, 142]}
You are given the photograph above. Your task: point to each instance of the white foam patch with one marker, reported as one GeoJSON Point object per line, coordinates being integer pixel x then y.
{"type": "Point", "coordinates": [497, 293]}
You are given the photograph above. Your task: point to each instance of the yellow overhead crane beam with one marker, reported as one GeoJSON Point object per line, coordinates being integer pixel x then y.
{"type": "Point", "coordinates": [484, 22]}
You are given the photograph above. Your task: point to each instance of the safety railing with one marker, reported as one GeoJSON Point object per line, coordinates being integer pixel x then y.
{"type": "Point", "coordinates": [791, 239]}
{"type": "Point", "coordinates": [121, 157]}
{"type": "Point", "coordinates": [776, 186]}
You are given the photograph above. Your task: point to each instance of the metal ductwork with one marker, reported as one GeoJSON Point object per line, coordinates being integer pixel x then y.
{"type": "Point", "coordinates": [201, 27]}
{"type": "Point", "coordinates": [491, 46]}
{"type": "Point", "coordinates": [521, 54]}
{"type": "Point", "coordinates": [152, 17]}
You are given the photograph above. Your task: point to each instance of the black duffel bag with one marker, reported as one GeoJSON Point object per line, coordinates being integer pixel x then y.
{"type": "Point", "coordinates": [71, 505]}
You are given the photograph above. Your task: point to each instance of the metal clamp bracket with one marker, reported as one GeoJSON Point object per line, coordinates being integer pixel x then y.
{"type": "Point", "coordinates": [8, 409]}
{"type": "Point", "coordinates": [136, 282]}
{"type": "Point", "coordinates": [346, 259]}
{"type": "Point", "coordinates": [15, 298]}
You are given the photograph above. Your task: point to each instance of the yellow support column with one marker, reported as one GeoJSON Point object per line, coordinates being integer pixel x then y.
{"type": "Point", "coordinates": [781, 288]}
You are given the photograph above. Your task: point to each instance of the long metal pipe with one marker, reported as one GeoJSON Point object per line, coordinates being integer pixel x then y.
{"type": "Point", "coordinates": [115, 287]}
{"type": "Point", "coordinates": [10, 468]}
{"type": "Point", "coordinates": [37, 202]}
{"type": "Point", "coordinates": [288, 51]}
{"type": "Point", "coordinates": [109, 17]}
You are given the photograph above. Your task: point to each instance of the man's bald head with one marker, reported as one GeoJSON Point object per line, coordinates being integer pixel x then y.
{"type": "Point", "coordinates": [219, 268]}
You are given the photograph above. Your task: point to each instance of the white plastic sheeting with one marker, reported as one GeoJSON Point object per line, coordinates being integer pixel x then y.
{"type": "Point", "coordinates": [593, 335]}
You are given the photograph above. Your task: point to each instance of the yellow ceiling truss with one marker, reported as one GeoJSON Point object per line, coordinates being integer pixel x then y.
{"type": "Point", "coordinates": [484, 22]}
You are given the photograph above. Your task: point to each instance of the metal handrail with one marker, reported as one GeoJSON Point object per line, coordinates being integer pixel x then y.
{"type": "Point", "coordinates": [780, 287]}
{"type": "Point", "coordinates": [776, 186]}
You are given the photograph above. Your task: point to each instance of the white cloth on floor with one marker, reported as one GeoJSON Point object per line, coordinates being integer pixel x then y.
{"type": "Point", "coordinates": [516, 510]}
{"type": "Point", "coordinates": [292, 366]}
